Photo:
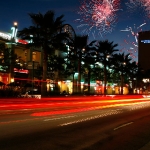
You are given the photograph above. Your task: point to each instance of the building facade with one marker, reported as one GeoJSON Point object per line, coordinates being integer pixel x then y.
{"type": "Point", "coordinates": [144, 50]}
{"type": "Point", "coordinates": [20, 67]}
{"type": "Point", "coordinates": [29, 60]}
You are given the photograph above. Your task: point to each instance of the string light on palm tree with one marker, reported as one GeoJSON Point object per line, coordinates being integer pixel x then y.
{"type": "Point", "coordinates": [124, 63]}
{"type": "Point", "coordinates": [107, 57]}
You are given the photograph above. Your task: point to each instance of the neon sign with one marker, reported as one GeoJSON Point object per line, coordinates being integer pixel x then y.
{"type": "Point", "coordinates": [5, 36]}
{"type": "Point", "coordinates": [22, 41]}
{"type": "Point", "coordinates": [21, 70]}
{"type": "Point", "coordinates": [9, 36]}
{"type": "Point", "coordinates": [14, 32]}
{"type": "Point", "coordinates": [145, 41]}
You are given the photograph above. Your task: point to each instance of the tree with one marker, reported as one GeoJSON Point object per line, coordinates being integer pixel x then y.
{"type": "Point", "coordinates": [133, 73]}
{"type": "Point", "coordinates": [104, 52]}
{"type": "Point", "coordinates": [89, 65]}
{"type": "Point", "coordinates": [77, 46]}
{"type": "Point", "coordinates": [45, 34]}
{"type": "Point", "coordinates": [71, 65]}
{"type": "Point", "coordinates": [56, 69]}
{"type": "Point", "coordinates": [121, 66]}
{"type": "Point", "coordinates": [80, 44]}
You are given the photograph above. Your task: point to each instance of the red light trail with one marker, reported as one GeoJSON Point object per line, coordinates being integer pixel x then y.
{"type": "Point", "coordinates": [67, 105]}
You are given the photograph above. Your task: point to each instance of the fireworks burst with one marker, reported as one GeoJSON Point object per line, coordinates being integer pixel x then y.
{"type": "Point", "coordinates": [133, 5]}
{"type": "Point", "coordinates": [133, 45]}
{"type": "Point", "coordinates": [98, 15]}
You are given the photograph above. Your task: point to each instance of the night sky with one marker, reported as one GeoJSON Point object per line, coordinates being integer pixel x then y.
{"type": "Point", "coordinates": [16, 10]}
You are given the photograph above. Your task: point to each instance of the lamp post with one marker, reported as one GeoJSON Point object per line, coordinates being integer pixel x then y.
{"type": "Point", "coordinates": [122, 76]}
{"type": "Point", "coordinates": [13, 38]}
{"type": "Point", "coordinates": [32, 76]}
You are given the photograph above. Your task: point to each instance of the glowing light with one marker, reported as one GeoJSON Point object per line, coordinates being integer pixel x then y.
{"type": "Point", "coordinates": [15, 24]}
{"type": "Point", "coordinates": [12, 80]}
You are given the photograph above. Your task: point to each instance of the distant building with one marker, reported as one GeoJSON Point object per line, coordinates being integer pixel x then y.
{"type": "Point", "coordinates": [144, 50]}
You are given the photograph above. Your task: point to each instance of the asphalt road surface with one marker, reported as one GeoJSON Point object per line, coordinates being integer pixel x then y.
{"type": "Point", "coordinates": [89, 125]}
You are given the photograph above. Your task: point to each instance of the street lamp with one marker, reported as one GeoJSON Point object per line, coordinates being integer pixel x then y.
{"type": "Point", "coordinates": [14, 31]}
{"type": "Point", "coordinates": [15, 24]}
{"type": "Point", "coordinates": [12, 42]}
{"type": "Point", "coordinates": [122, 76]}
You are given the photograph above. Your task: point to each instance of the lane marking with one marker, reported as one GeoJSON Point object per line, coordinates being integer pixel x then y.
{"type": "Point", "coordinates": [123, 125]}
{"type": "Point", "coordinates": [60, 118]}
{"type": "Point", "coordinates": [113, 112]}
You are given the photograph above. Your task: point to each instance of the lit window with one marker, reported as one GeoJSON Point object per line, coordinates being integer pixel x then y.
{"type": "Point", "coordinates": [1, 55]}
{"type": "Point", "coordinates": [33, 56]}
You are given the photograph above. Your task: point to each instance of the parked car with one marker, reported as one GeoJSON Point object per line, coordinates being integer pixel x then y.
{"type": "Point", "coordinates": [32, 94]}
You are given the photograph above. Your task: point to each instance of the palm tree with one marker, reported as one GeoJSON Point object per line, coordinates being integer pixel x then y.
{"type": "Point", "coordinates": [104, 52]}
{"type": "Point", "coordinates": [121, 65]}
{"type": "Point", "coordinates": [71, 66]}
{"type": "Point", "coordinates": [133, 73]}
{"type": "Point", "coordinates": [78, 45]}
{"type": "Point", "coordinates": [45, 33]}
{"type": "Point", "coordinates": [89, 65]}
{"type": "Point", "coordinates": [56, 69]}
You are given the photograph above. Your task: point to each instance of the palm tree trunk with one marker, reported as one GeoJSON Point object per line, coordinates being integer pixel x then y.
{"type": "Point", "coordinates": [12, 63]}
{"type": "Point", "coordinates": [43, 84]}
{"type": "Point", "coordinates": [73, 86]}
{"type": "Point", "coordinates": [89, 77]}
{"type": "Point", "coordinates": [105, 80]}
{"type": "Point", "coordinates": [56, 87]}
{"type": "Point", "coordinates": [79, 76]}
{"type": "Point", "coordinates": [121, 84]}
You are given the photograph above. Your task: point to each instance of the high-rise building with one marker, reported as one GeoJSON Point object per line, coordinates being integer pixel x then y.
{"type": "Point", "coordinates": [144, 50]}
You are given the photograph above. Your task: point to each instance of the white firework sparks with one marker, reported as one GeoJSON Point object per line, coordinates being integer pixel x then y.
{"type": "Point", "coordinates": [98, 15]}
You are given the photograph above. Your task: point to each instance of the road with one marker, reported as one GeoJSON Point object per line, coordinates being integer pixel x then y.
{"type": "Point", "coordinates": [90, 123]}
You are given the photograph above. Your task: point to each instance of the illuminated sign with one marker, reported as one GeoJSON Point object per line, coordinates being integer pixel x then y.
{"type": "Point", "coordinates": [9, 36]}
{"type": "Point", "coordinates": [14, 32]}
{"type": "Point", "coordinates": [145, 41]}
{"type": "Point", "coordinates": [22, 41]}
{"type": "Point", "coordinates": [5, 36]}
{"type": "Point", "coordinates": [21, 70]}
